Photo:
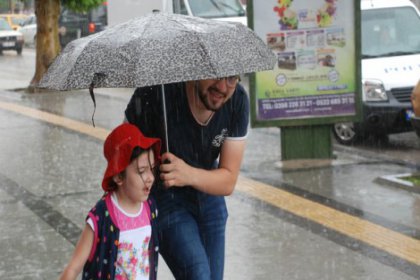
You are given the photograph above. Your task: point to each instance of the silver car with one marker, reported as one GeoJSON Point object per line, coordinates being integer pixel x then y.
{"type": "Point", "coordinates": [9, 38]}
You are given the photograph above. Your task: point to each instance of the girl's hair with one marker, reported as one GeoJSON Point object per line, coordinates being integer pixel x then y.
{"type": "Point", "coordinates": [137, 151]}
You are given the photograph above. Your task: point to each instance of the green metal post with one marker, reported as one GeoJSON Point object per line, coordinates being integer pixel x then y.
{"type": "Point", "coordinates": [306, 142]}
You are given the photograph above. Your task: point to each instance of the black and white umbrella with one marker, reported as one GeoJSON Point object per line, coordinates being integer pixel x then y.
{"type": "Point", "coordinates": [156, 49]}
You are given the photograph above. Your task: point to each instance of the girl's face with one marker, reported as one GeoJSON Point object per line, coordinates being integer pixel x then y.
{"type": "Point", "coordinates": [139, 177]}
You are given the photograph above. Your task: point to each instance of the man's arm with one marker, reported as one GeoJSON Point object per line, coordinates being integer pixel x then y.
{"type": "Point", "coordinates": [220, 181]}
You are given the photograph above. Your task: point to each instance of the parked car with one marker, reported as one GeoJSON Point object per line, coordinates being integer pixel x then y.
{"type": "Point", "coordinates": [74, 25]}
{"type": "Point", "coordinates": [9, 38]}
{"type": "Point", "coordinates": [14, 20]}
{"type": "Point", "coordinates": [390, 69]}
{"type": "Point", "coordinates": [415, 101]}
{"type": "Point", "coordinates": [28, 30]}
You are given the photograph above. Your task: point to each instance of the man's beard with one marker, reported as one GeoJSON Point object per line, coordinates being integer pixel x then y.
{"type": "Point", "coordinates": [205, 100]}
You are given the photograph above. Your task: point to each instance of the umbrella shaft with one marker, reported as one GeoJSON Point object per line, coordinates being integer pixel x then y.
{"type": "Point", "coordinates": [165, 120]}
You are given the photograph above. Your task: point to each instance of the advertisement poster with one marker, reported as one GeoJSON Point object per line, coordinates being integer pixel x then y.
{"type": "Point", "coordinates": [315, 73]}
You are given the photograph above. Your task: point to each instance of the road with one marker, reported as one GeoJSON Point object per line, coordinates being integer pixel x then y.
{"type": "Point", "coordinates": [16, 71]}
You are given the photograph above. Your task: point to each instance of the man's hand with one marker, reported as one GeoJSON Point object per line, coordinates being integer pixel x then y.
{"type": "Point", "coordinates": [174, 171]}
{"type": "Point", "coordinates": [220, 181]}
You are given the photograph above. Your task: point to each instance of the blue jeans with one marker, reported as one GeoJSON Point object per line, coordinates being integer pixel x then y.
{"type": "Point", "coordinates": [192, 233]}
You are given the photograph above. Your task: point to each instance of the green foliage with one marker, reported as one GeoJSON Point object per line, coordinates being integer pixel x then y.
{"type": "Point", "coordinates": [4, 6]}
{"type": "Point", "coordinates": [413, 179]}
{"type": "Point", "coordinates": [27, 3]}
{"type": "Point", "coordinates": [7, 5]}
{"type": "Point", "coordinates": [82, 5]}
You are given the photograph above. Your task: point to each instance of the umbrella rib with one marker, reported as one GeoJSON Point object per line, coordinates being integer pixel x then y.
{"type": "Point", "coordinates": [205, 50]}
{"type": "Point", "coordinates": [77, 61]}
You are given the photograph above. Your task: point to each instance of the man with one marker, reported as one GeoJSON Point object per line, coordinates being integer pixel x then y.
{"type": "Point", "coordinates": [207, 127]}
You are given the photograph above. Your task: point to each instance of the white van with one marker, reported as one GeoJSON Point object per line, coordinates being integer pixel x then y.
{"type": "Point", "coordinates": [225, 10]}
{"type": "Point", "coordinates": [390, 56]}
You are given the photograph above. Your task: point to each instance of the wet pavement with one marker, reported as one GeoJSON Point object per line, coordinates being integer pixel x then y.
{"type": "Point", "coordinates": [319, 219]}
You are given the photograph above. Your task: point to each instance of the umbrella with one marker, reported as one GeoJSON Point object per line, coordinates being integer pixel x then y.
{"type": "Point", "coordinates": [158, 48]}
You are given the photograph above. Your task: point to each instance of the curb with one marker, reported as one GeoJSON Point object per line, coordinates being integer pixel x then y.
{"type": "Point", "coordinates": [395, 181]}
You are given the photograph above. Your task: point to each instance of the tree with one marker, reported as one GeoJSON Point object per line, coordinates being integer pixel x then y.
{"type": "Point", "coordinates": [47, 41]}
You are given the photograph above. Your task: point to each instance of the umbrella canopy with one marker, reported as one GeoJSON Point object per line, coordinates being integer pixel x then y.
{"type": "Point", "coordinates": [158, 49]}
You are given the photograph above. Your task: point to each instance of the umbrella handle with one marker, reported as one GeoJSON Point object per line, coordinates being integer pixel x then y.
{"type": "Point", "coordinates": [165, 119]}
{"type": "Point", "coordinates": [92, 95]}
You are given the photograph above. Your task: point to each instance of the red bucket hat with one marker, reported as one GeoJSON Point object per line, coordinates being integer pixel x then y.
{"type": "Point", "coordinates": [119, 146]}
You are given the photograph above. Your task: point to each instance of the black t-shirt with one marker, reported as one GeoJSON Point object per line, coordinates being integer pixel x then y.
{"type": "Point", "coordinates": [197, 145]}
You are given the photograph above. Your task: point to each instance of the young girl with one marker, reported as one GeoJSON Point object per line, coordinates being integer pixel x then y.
{"type": "Point", "coordinates": [119, 240]}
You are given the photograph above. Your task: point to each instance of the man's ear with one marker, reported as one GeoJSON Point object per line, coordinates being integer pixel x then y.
{"type": "Point", "coordinates": [118, 179]}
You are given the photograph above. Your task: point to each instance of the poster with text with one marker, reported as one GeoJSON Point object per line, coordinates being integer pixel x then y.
{"type": "Point", "coordinates": [315, 73]}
